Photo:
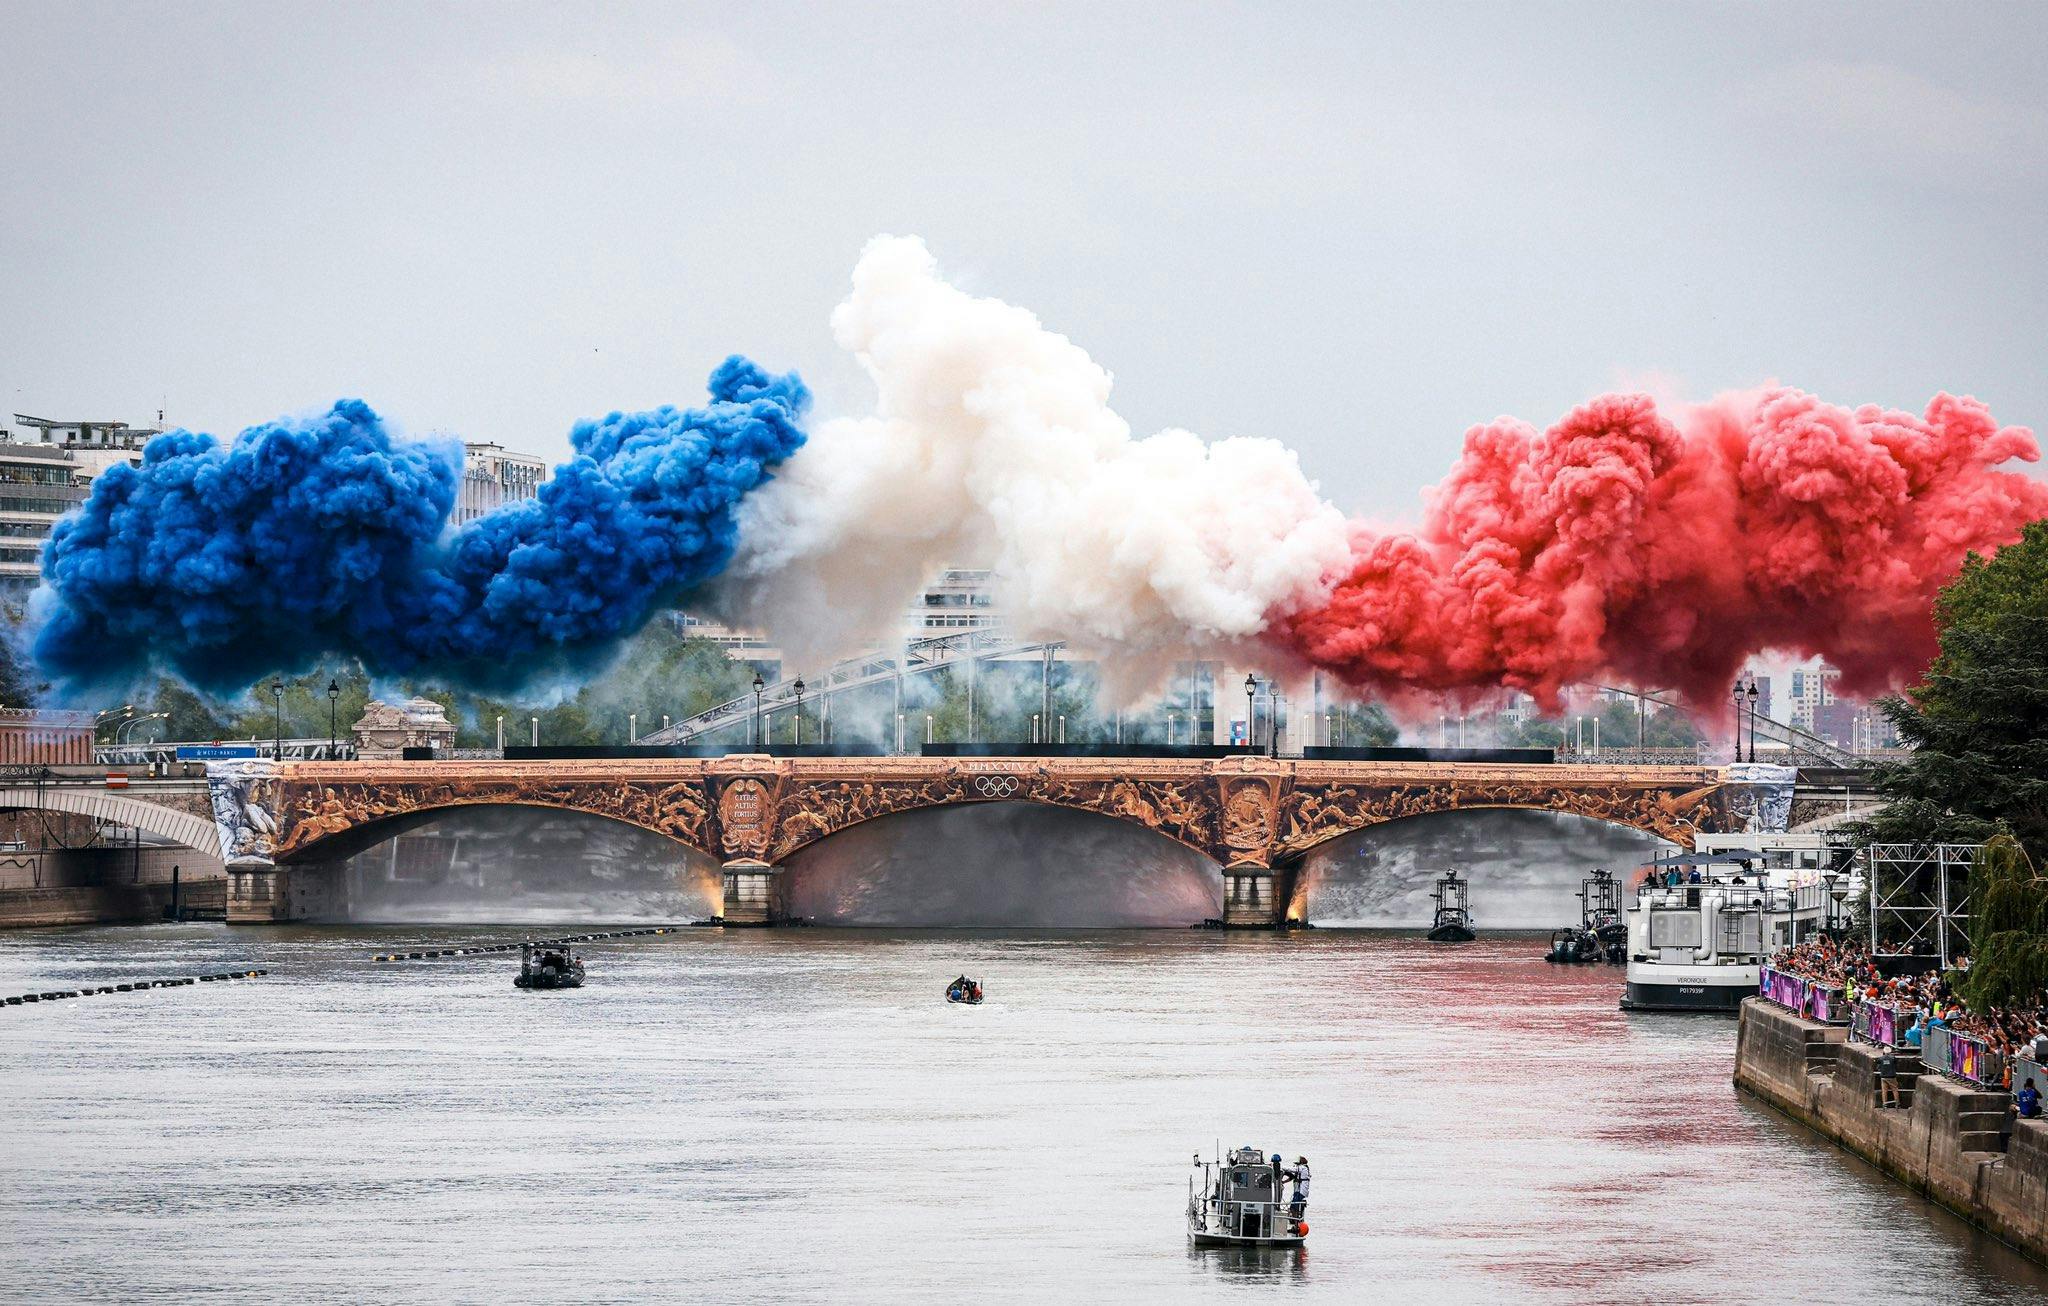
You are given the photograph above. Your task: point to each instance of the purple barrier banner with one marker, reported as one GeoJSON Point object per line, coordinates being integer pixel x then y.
{"type": "Point", "coordinates": [1973, 1060]}
{"type": "Point", "coordinates": [1883, 1023]}
{"type": "Point", "coordinates": [1826, 1005]}
{"type": "Point", "coordinates": [1788, 991]}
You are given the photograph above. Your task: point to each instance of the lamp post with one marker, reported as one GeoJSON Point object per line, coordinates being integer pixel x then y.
{"type": "Point", "coordinates": [1063, 728]}
{"type": "Point", "coordinates": [501, 734]}
{"type": "Point", "coordinates": [1753, 696]}
{"type": "Point", "coordinates": [632, 727]}
{"type": "Point", "coordinates": [535, 721]}
{"type": "Point", "coordinates": [1738, 720]}
{"type": "Point", "coordinates": [1034, 729]}
{"type": "Point", "coordinates": [333, 706]}
{"type": "Point", "coordinates": [277, 724]}
{"type": "Point", "coordinates": [928, 736]}
{"type": "Point", "coordinates": [799, 687]}
{"type": "Point", "coordinates": [1251, 687]}
{"type": "Point", "coordinates": [1171, 717]}
{"type": "Point", "coordinates": [899, 734]}
{"type": "Point", "coordinates": [758, 687]}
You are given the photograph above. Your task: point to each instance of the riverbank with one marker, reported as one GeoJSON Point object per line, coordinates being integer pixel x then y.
{"type": "Point", "coordinates": [1943, 1143]}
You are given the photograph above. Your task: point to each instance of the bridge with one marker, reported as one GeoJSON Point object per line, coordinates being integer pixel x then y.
{"type": "Point", "coordinates": [285, 827]}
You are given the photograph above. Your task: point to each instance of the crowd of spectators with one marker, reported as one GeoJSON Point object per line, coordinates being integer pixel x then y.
{"type": "Point", "coordinates": [1926, 1000]}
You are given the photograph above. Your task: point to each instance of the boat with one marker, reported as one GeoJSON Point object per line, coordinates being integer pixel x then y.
{"type": "Point", "coordinates": [1600, 912]}
{"type": "Point", "coordinates": [1574, 944]}
{"type": "Point", "coordinates": [1703, 921]}
{"type": "Point", "coordinates": [1235, 1201]}
{"type": "Point", "coordinates": [964, 990]}
{"type": "Point", "coordinates": [554, 968]}
{"type": "Point", "coordinates": [1453, 922]}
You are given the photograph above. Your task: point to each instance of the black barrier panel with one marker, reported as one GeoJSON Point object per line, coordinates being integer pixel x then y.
{"type": "Point", "coordinates": [1519, 756]}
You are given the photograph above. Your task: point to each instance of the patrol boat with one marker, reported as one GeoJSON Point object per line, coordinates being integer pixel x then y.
{"type": "Point", "coordinates": [1703, 922]}
{"type": "Point", "coordinates": [555, 968]}
{"type": "Point", "coordinates": [1453, 920]}
{"type": "Point", "coordinates": [1235, 1201]}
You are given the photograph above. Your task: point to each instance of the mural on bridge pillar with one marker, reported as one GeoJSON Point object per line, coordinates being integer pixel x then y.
{"type": "Point", "coordinates": [1240, 811]}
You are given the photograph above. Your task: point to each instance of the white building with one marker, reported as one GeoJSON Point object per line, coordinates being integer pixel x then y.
{"type": "Point", "coordinates": [45, 472]}
{"type": "Point", "coordinates": [493, 476]}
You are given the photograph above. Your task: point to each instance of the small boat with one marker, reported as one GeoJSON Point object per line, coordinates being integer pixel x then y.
{"type": "Point", "coordinates": [964, 990]}
{"type": "Point", "coordinates": [1600, 912]}
{"type": "Point", "coordinates": [1453, 922]}
{"type": "Point", "coordinates": [1235, 1201]}
{"type": "Point", "coordinates": [1574, 945]}
{"type": "Point", "coordinates": [553, 968]}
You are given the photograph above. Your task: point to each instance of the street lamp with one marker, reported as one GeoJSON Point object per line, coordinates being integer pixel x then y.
{"type": "Point", "coordinates": [277, 702]}
{"type": "Point", "coordinates": [501, 734]}
{"type": "Point", "coordinates": [928, 736]}
{"type": "Point", "coordinates": [1753, 696]}
{"type": "Point", "coordinates": [799, 687]}
{"type": "Point", "coordinates": [1034, 729]}
{"type": "Point", "coordinates": [535, 722]}
{"type": "Point", "coordinates": [1171, 717]}
{"type": "Point", "coordinates": [333, 706]}
{"type": "Point", "coordinates": [1251, 687]}
{"type": "Point", "coordinates": [632, 727]}
{"type": "Point", "coordinates": [1063, 728]}
{"type": "Point", "coordinates": [1738, 720]}
{"type": "Point", "coordinates": [758, 686]}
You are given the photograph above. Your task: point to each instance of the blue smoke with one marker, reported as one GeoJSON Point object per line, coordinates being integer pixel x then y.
{"type": "Point", "coordinates": [327, 536]}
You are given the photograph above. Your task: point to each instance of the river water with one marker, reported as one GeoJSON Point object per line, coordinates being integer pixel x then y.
{"type": "Point", "coordinates": [798, 1116]}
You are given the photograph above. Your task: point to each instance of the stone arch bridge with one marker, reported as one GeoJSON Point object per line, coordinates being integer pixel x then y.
{"type": "Point", "coordinates": [285, 827]}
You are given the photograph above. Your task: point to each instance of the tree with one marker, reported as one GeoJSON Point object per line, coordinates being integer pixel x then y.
{"type": "Point", "coordinates": [1977, 724]}
{"type": "Point", "coordinates": [2009, 961]}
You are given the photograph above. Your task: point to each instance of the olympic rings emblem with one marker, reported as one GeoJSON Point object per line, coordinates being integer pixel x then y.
{"type": "Point", "coordinates": [996, 786]}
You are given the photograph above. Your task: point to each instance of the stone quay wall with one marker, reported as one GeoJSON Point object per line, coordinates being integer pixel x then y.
{"type": "Point", "coordinates": [1943, 1143]}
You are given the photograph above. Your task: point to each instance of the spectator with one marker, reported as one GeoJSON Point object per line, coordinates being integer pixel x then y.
{"type": "Point", "coordinates": [1888, 1079]}
{"type": "Point", "coordinates": [2028, 1099]}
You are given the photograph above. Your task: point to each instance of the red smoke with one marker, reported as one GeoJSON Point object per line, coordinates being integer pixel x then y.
{"type": "Point", "coordinates": [1621, 546]}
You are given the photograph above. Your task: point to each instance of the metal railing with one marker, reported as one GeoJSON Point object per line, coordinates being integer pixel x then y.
{"type": "Point", "coordinates": [1874, 1022]}
{"type": "Point", "coordinates": [165, 752]}
{"type": "Point", "coordinates": [1961, 1056]}
{"type": "Point", "coordinates": [1826, 1003]}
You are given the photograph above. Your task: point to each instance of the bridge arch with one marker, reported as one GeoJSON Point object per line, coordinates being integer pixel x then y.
{"type": "Point", "coordinates": [311, 841]}
{"type": "Point", "coordinates": [181, 826]}
{"type": "Point", "coordinates": [1000, 864]}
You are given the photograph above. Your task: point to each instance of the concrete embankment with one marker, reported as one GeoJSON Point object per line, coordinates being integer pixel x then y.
{"type": "Point", "coordinates": [1943, 1142]}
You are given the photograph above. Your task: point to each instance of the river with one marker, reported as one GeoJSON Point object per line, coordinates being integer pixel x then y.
{"type": "Point", "coordinates": [797, 1116]}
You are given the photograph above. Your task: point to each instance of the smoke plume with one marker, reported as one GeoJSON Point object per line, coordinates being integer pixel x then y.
{"type": "Point", "coordinates": [1623, 544]}
{"type": "Point", "coordinates": [992, 443]}
{"type": "Point", "coordinates": [327, 535]}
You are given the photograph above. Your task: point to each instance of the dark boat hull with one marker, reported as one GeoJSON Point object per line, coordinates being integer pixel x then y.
{"type": "Point", "coordinates": [1723, 998]}
{"type": "Point", "coordinates": [1453, 934]}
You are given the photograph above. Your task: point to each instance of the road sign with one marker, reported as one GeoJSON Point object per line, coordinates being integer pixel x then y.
{"type": "Point", "coordinates": [215, 752]}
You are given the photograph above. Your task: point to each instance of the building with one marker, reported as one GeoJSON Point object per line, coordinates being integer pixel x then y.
{"type": "Point", "coordinates": [493, 476]}
{"type": "Point", "coordinates": [45, 472]}
{"type": "Point", "coordinates": [960, 599]}
{"type": "Point", "coordinates": [1813, 689]}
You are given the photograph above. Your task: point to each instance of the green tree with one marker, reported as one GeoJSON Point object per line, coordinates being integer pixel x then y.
{"type": "Point", "coordinates": [1977, 724]}
{"type": "Point", "coordinates": [2009, 962]}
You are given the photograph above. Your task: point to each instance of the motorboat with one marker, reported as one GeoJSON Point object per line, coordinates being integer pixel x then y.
{"type": "Point", "coordinates": [1235, 1201]}
{"type": "Point", "coordinates": [1600, 912]}
{"type": "Point", "coordinates": [964, 990]}
{"type": "Point", "coordinates": [1453, 920]}
{"type": "Point", "coordinates": [1703, 921]}
{"type": "Point", "coordinates": [548, 967]}
{"type": "Point", "coordinates": [1574, 944]}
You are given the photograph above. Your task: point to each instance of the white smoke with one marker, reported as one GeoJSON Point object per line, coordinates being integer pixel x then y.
{"type": "Point", "coordinates": [992, 443]}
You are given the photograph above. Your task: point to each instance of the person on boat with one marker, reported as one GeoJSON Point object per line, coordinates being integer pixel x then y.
{"type": "Point", "coordinates": [1299, 1174]}
{"type": "Point", "coordinates": [974, 990]}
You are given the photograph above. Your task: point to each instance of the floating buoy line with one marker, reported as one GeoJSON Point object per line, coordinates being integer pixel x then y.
{"type": "Point", "coordinates": [131, 986]}
{"type": "Point", "coordinates": [480, 949]}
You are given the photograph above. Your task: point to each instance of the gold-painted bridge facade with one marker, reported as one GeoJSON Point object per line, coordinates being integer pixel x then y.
{"type": "Point", "coordinates": [751, 813]}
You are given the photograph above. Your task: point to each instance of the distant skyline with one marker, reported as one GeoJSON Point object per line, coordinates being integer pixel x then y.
{"type": "Point", "coordinates": [1356, 231]}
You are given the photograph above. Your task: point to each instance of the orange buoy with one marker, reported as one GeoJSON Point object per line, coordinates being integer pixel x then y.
{"type": "Point", "coordinates": [1301, 1228]}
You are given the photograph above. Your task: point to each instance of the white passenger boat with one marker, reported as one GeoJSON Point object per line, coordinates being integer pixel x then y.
{"type": "Point", "coordinates": [1236, 1201]}
{"type": "Point", "coordinates": [1699, 945]}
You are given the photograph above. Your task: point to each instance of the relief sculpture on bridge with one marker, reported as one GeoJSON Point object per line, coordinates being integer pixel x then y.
{"type": "Point", "coordinates": [1240, 811]}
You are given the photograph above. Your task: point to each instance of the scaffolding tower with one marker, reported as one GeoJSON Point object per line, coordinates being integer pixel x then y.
{"type": "Point", "coordinates": [1919, 898]}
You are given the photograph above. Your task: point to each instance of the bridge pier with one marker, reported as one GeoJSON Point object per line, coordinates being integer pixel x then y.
{"type": "Point", "coordinates": [265, 894]}
{"type": "Point", "coordinates": [1256, 897]}
{"type": "Point", "coordinates": [753, 893]}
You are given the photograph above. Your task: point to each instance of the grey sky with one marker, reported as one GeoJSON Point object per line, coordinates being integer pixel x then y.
{"type": "Point", "coordinates": [1359, 229]}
